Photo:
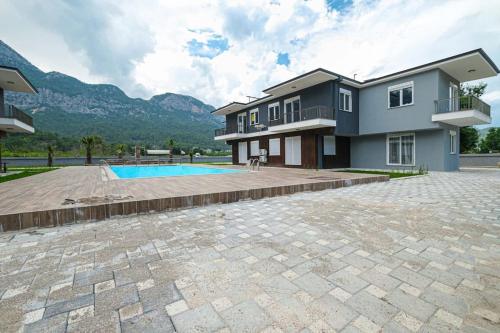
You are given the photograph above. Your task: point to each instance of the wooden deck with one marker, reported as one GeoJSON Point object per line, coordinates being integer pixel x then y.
{"type": "Point", "coordinates": [39, 200]}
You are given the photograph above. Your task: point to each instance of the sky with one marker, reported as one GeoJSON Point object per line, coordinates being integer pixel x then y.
{"type": "Point", "coordinates": [223, 51]}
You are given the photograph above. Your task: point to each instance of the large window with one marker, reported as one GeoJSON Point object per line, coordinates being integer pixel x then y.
{"type": "Point", "coordinates": [401, 149]}
{"type": "Point", "coordinates": [453, 142]}
{"type": "Point", "coordinates": [274, 111]}
{"type": "Point", "coordinates": [254, 117]}
{"type": "Point", "coordinates": [400, 95]}
{"type": "Point", "coordinates": [345, 100]}
{"type": "Point", "coordinates": [274, 147]}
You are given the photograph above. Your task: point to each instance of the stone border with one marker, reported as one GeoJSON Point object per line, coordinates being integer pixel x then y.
{"type": "Point", "coordinates": [57, 217]}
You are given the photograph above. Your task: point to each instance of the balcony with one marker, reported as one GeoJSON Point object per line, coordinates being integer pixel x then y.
{"type": "Point", "coordinates": [462, 111]}
{"type": "Point", "coordinates": [13, 120]}
{"type": "Point", "coordinates": [231, 133]}
{"type": "Point", "coordinates": [303, 119]}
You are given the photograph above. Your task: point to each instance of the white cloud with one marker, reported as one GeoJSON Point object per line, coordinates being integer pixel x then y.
{"type": "Point", "coordinates": [370, 39]}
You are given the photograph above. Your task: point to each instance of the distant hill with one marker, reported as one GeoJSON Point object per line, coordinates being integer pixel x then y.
{"type": "Point", "coordinates": [484, 131]}
{"type": "Point", "coordinates": [72, 108]}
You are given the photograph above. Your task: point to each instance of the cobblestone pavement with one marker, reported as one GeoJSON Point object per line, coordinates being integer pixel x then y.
{"type": "Point", "coordinates": [420, 254]}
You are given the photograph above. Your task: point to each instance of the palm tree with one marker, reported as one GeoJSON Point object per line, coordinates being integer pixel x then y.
{"type": "Point", "coordinates": [90, 142]}
{"type": "Point", "coordinates": [50, 155]}
{"type": "Point", "coordinates": [120, 150]}
{"type": "Point", "coordinates": [170, 145]}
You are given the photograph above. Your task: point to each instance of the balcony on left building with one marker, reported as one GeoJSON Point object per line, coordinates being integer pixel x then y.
{"type": "Point", "coordinates": [12, 119]}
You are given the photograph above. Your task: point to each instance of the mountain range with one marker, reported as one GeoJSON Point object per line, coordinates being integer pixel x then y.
{"type": "Point", "coordinates": [72, 108]}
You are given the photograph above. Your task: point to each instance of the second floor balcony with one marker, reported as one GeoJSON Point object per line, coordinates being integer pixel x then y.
{"type": "Point", "coordinates": [13, 120]}
{"type": "Point", "coordinates": [462, 111]}
{"type": "Point", "coordinates": [304, 118]}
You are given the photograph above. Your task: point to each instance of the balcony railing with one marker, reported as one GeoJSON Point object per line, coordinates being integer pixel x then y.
{"type": "Point", "coordinates": [463, 103]}
{"type": "Point", "coordinates": [10, 111]}
{"type": "Point", "coordinates": [231, 130]}
{"type": "Point", "coordinates": [315, 112]}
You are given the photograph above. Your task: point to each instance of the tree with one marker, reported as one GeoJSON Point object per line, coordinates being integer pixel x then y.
{"type": "Point", "coordinates": [191, 156]}
{"type": "Point", "coordinates": [476, 90]}
{"type": "Point", "coordinates": [469, 137]}
{"type": "Point", "coordinates": [120, 150]}
{"type": "Point", "coordinates": [491, 142]}
{"type": "Point", "coordinates": [50, 155]}
{"type": "Point", "coordinates": [90, 142]}
{"type": "Point", "coordinates": [170, 144]}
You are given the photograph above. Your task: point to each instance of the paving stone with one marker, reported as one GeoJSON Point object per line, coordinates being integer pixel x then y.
{"type": "Point", "coordinates": [451, 303]}
{"type": "Point", "coordinates": [411, 305]}
{"type": "Point", "coordinates": [408, 321]}
{"type": "Point", "coordinates": [33, 316]}
{"type": "Point", "coordinates": [116, 298]}
{"type": "Point", "coordinates": [449, 318]}
{"type": "Point", "coordinates": [348, 281]}
{"type": "Point", "coordinates": [200, 319]}
{"type": "Point", "coordinates": [92, 277]}
{"type": "Point", "coordinates": [176, 307]}
{"type": "Point", "coordinates": [56, 324]}
{"type": "Point", "coordinates": [373, 308]}
{"type": "Point", "coordinates": [130, 311]}
{"type": "Point", "coordinates": [81, 313]}
{"type": "Point", "coordinates": [159, 296]}
{"type": "Point", "coordinates": [411, 277]}
{"type": "Point", "coordinates": [332, 311]}
{"type": "Point", "coordinates": [131, 275]}
{"type": "Point", "coordinates": [69, 305]}
{"type": "Point", "coordinates": [246, 317]}
{"type": "Point", "coordinates": [366, 325]}
{"type": "Point", "coordinates": [153, 321]}
{"type": "Point", "coordinates": [313, 284]}
{"type": "Point", "coordinates": [103, 286]}
{"type": "Point", "coordinates": [107, 321]}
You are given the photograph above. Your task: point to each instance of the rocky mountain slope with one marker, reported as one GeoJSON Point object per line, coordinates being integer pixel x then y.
{"type": "Point", "coordinates": [72, 108]}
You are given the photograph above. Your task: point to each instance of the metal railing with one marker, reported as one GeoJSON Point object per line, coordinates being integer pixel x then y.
{"type": "Point", "coordinates": [315, 112]}
{"type": "Point", "coordinates": [462, 103]}
{"type": "Point", "coordinates": [10, 111]}
{"type": "Point", "coordinates": [230, 130]}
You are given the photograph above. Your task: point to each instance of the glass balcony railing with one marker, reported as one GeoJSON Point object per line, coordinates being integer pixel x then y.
{"type": "Point", "coordinates": [463, 103]}
{"type": "Point", "coordinates": [231, 130]}
{"type": "Point", "coordinates": [315, 112]}
{"type": "Point", "coordinates": [10, 111]}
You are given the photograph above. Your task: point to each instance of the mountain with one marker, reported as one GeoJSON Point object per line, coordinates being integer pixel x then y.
{"type": "Point", "coordinates": [72, 108]}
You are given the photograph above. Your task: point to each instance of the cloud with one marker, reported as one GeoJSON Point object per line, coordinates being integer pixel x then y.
{"type": "Point", "coordinates": [221, 51]}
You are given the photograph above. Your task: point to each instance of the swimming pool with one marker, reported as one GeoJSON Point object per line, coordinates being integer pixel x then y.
{"type": "Point", "coordinates": [146, 171]}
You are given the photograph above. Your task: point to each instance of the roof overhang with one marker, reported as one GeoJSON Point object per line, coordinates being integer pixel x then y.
{"type": "Point", "coordinates": [12, 79]}
{"type": "Point", "coordinates": [303, 81]}
{"type": "Point", "coordinates": [229, 108]}
{"type": "Point", "coordinates": [468, 66]}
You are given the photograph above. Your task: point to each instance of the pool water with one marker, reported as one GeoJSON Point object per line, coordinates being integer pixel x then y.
{"type": "Point", "coordinates": [128, 172]}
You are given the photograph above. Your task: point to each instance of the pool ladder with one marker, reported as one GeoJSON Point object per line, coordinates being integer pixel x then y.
{"type": "Point", "coordinates": [252, 163]}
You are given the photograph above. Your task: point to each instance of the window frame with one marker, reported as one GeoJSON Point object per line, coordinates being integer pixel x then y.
{"type": "Point", "coordinates": [400, 87]}
{"type": "Point", "coordinates": [254, 111]}
{"type": "Point", "coordinates": [279, 146]}
{"type": "Point", "coordinates": [453, 142]}
{"type": "Point", "coordinates": [273, 106]}
{"type": "Point", "coordinates": [347, 93]}
{"type": "Point", "coordinates": [400, 135]}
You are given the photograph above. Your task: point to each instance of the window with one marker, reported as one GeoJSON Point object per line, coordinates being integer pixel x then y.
{"type": "Point", "coordinates": [401, 149]}
{"type": "Point", "coordinates": [400, 95]}
{"type": "Point", "coordinates": [453, 142]}
{"type": "Point", "coordinates": [345, 100]}
{"type": "Point", "coordinates": [254, 148]}
{"type": "Point", "coordinates": [274, 147]}
{"type": "Point", "coordinates": [274, 111]}
{"type": "Point", "coordinates": [329, 145]}
{"type": "Point", "coordinates": [292, 110]}
{"type": "Point", "coordinates": [254, 117]}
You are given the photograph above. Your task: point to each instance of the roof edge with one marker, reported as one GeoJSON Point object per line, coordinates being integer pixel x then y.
{"type": "Point", "coordinates": [22, 75]}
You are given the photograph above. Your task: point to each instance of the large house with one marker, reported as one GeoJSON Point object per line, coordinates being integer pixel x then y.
{"type": "Point", "coordinates": [13, 120]}
{"type": "Point", "coordinates": [321, 119]}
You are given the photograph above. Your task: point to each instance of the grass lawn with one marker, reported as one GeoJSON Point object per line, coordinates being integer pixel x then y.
{"type": "Point", "coordinates": [25, 172]}
{"type": "Point", "coordinates": [391, 174]}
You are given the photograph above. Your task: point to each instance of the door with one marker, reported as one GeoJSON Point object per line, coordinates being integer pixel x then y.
{"type": "Point", "coordinates": [293, 153]}
{"type": "Point", "coordinates": [292, 110]}
{"type": "Point", "coordinates": [454, 100]}
{"type": "Point", "coordinates": [242, 152]}
{"type": "Point", "coordinates": [242, 123]}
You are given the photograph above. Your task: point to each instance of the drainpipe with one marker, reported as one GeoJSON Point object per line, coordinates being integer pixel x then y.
{"type": "Point", "coordinates": [1, 101]}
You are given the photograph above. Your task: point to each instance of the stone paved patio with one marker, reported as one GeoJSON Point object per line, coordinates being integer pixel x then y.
{"type": "Point", "coordinates": [420, 254]}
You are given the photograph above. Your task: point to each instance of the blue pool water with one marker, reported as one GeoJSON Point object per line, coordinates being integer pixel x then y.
{"type": "Point", "coordinates": [127, 172]}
